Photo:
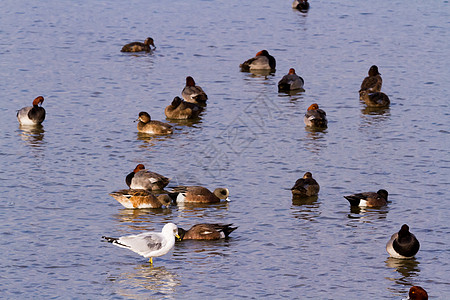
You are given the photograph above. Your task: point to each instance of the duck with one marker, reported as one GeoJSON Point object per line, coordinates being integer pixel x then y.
{"type": "Point", "coordinates": [146, 125]}
{"type": "Point", "coordinates": [198, 194]}
{"type": "Point", "coordinates": [32, 115]}
{"type": "Point", "coordinates": [193, 93]}
{"type": "Point", "coordinates": [262, 61]}
{"type": "Point", "coordinates": [140, 199]}
{"type": "Point", "coordinates": [182, 110]}
{"type": "Point", "coordinates": [142, 179]}
{"type": "Point", "coordinates": [368, 199]}
{"type": "Point", "coordinates": [403, 244]}
{"type": "Point", "coordinates": [290, 82]}
{"type": "Point", "coordinates": [417, 293]}
{"type": "Point", "coordinates": [139, 47]}
{"type": "Point", "coordinates": [148, 244]}
{"type": "Point", "coordinates": [376, 99]}
{"type": "Point", "coordinates": [306, 186]}
{"type": "Point", "coordinates": [315, 117]}
{"type": "Point", "coordinates": [373, 82]}
{"type": "Point", "coordinates": [301, 5]}
{"type": "Point", "coordinates": [206, 231]}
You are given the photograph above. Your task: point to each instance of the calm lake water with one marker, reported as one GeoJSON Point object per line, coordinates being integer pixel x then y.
{"type": "Point", "coordinates": [55, 181]}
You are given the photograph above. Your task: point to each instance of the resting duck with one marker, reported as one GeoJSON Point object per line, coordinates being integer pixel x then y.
{"type": "Point", "coordinates": [138, 46]}
{"type": "Point", "coordinates": [376, 99]}
{"type": "Point", "coordinates": [198, 194]}
{"type": "Point", "coordinates": [140, 199]}
{"type": "Point", "coordinates": [206, 232]}
{"type": "Point", "coordinates": [373, 82]}
{"type": "Point", "coordinates": [262, 61]}
{"type": "Point", "coordinates": [417, 293]}
{"type": "Point", "coordinates": [182, 110]}
{"type": "Point", "coordinates": [368, 199]}
{"type": "Point", "coordinates": [193, 93]}
{"type": "Point", "coordinates": [32, 115]}
{"type": "Point", "coordinates": [315, 117]}
{"type": "Point", "coordinates": [290, 82]}
{"type": "Point", "coordinates": [403, 244]}
{"type": "Point", "coordinates": [301, 5]}
{"type": "Point", "coordinates": [142, 179]}
{"type": "Point", "coordinates": [306, 186]}
{"type": "Point", "coordinates": [146, 125]}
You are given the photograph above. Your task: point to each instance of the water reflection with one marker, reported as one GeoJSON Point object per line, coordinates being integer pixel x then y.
{"type": "Point", "coordinates": [260, 73]}
{"type": "Point", "coordinates": [294, 95]}
{"type": "Point", "coordinates": [32, 135]}
{"type": "Point", "coordinates": [315, 138]}
{"type": "Point", "coordinates": [407, 270]}
{"type": "Point", "coordinates": [144, 278]}
{"type": "Point", "coordinates": [306, 208]}
{"type": "Point", "coordinates": [376, 111]}
{"type": "Point", "coordinates": [135, 218]}
{"type": "Point", "coordinates": [366, 214]}
{"type": "Point", "coordinates": [150, 140]}
{"type": "Point", "coordinates": [189, 122]}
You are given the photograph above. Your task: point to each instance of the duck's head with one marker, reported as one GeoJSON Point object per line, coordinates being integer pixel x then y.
{"type": "Point", "coordinates": [144, 117]}
{"type": "Point", "coordinates": [176, 101]}
{"type": "Point", "coordinates": [307, 175]}
{"type": "Point", "coordinates": [291, 71]}
{"type": "Point", "coordinates": [38, 100]}
{"type": "Point", "coordinates": [149, 42]}
{"type": "Point", "coordinates": [190, 81]}
{"type": "Point", "coordinates": [262, 53]}
{"type": "Point", "coordinates": [313, 106]}
{"type": "Point", "coordinates": [383, 193]}
{"type": "Point", "coordinates": [138, 168]}
{"type": "Point", "coordinates": [373, 71]}
{"type": "Point", "coordinates": [417, 293]}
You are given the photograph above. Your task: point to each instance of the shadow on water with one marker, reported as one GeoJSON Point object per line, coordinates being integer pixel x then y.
{"type": "Point", "coordinates": [32, 135]}
{"type": "Point", "coordinates": [407, 270]}
{"type": "Point", "coordinates": [315, 139]}
{"type": "Point", "coordinates": [160, 282]}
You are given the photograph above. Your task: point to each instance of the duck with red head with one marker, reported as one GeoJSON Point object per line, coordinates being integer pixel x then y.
{"type": "Point", "coordinates": [32, 115]}
{"type": "Point", "coordinates": [315, 117]}
{"type": "Point", "coordinates": [290, 82]}
{"type": "Point", "coordinates": [142, 179]}
{"type": "Point", "coordinates": [417, 293]}
{"type": "Point", "coordinates": [193, 93]}
{"type": "Point", "coordinates": [139, 47]}
{"type": "Point", "coordinates": [262, 61]}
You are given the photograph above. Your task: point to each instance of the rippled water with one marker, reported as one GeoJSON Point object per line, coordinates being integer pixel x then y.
{"type": "Point", "coordinates": [55, 180]}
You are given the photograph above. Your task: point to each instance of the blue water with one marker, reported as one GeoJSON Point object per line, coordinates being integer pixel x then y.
{"type": "Point", "coordinates": [55, 181]}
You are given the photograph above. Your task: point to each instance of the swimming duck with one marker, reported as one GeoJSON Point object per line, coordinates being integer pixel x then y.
{"type": "Point", "coordinates": [140, 199]}
{"type": "Point", "coordinates": [262, 61]}
{"type": "Point", "coordinates": [32, 115]}
{"type": "Point", "coordinates": [417, 293]}
{"type": "Point", "coordinates": [376, 99]}
{"type": "Point", "coordinates": [301, 5]}
{"type": "Point", "coordinates": [373, 82]}
{"type": "Point", "coordinates": [182, 110]}
{"type": "Point", "coordinates": [146, 125]}
{"type": "Point", "coordinates": [141, 179]}
{"type": "Point", "coordinates": [306, 186]}
{"type": "Point", "coordinates": [368, 199]}
{"type": "Point", "coordinates": [290, 82]}
{"type": "Point", "coordinates": [206, 231]}
{"type": "Point", "coordinates": [139, 47]}
{"type": "Point", "coordinates": [315, 117]}
{"type": "Point", "coordinates": [198, 194]}
{"type": "Point", "coordinates": [148, 244]}
{"type": "Point", "coordinates": [403, 244]}
{"type": "Point", "coordinates": [193, 93]}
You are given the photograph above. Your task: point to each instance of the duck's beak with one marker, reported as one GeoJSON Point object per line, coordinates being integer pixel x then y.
{"type": "Point", "coordinates": [177, 238]}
